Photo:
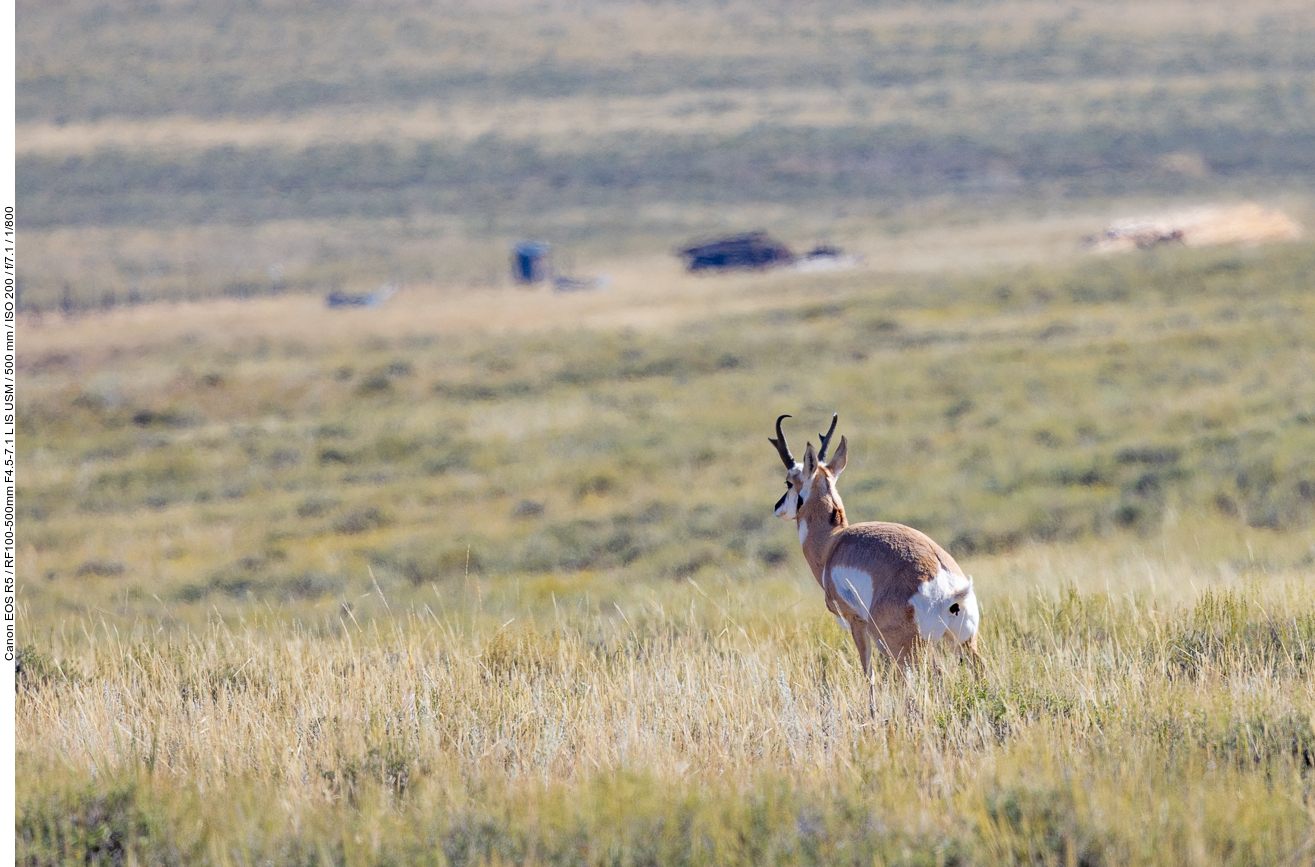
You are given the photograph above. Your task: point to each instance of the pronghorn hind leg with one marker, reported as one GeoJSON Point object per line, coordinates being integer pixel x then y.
{"type": "Point", "coordinates": [974, 657]}
{"type": "Point", "coordinates": [934, 655]}
{"type": "Point", "coordinates": [910, 655]}
{"type": "Point", "coordinates": [859, 629]}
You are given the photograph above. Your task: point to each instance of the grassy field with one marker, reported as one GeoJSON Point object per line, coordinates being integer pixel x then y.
{"type": "Point", "coordinates": [491, 576]}
{"type": "Point", "coordinates": [713, 728]}
{"type": "Point", "coordinates": [407, 142]}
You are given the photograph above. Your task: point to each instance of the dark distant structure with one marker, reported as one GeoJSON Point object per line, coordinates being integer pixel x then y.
{"type": "Point", "coordinates": [755, 250]}
{"type": "Point", "coordinates": [1141, 237]}
{"type": "Point", "coordinates": [338, 298]}
{"type": "Point", "coordinates": [531, 262]}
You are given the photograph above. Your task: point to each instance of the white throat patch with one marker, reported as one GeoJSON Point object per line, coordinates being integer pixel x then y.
{"type": "Point", "coordinates": [946, 607]}
{"type": "Point", "coordinates": [789, 505]}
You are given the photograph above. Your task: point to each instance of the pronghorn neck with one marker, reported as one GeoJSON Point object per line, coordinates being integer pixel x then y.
{"type": "Point", "coordinates": [820, 517]}
{"type": "Point", "coordinates": [811, 498]}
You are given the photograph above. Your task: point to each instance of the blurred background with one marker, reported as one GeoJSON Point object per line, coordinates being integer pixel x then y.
{"type": "Point", "coordinates": [1012, 364]}
{"type": "Point", "coordinates": [187, 150]}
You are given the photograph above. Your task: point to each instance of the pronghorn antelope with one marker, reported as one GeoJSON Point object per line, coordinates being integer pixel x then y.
{"type": "Point", "coordinates": [888, 584]}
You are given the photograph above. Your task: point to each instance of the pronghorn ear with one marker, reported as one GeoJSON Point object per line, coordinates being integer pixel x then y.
{"type": "Point", "coordinates": [837, 462]}
{"type": "Point", "coordinates": [810, 461]}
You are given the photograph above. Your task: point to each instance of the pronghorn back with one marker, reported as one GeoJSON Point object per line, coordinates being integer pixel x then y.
{"type": "Point", "coordinates": [906, 556]}
{"type": "Point", "coordinates": [898, 580]}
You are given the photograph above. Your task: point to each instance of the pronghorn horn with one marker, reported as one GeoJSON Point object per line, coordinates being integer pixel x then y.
{"type": "Point", "coordinates": [781, 447]}
{"type": "Point", "coordinates": [826, 438]}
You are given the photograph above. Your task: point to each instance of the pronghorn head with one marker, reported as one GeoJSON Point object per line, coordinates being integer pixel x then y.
{"type": "Point", "coordinates": [814, 479]}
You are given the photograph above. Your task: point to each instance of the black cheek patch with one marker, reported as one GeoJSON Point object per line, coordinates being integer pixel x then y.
{"type": "Point", "coordinates": [781, 501]}
{"type": "Point", "coordinates": [954, 609]}
{"type": "Point", "coordinates": [799, 504]}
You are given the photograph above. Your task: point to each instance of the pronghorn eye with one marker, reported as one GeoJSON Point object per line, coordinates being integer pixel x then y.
{"type": "Point", "coordinates": [954, 609]}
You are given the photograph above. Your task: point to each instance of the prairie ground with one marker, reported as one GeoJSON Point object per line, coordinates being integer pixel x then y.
{"type": "Point", "coordinates": [492, 576]}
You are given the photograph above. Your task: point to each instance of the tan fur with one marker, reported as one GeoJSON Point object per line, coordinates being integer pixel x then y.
{"type": "Point", "coordinates": [898, 559]}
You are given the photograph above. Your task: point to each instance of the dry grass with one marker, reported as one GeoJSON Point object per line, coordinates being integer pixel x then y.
{"type": "Point", "coordinates": [1108, 730]}
{"type": "Point", "coordinates": [647, 294]}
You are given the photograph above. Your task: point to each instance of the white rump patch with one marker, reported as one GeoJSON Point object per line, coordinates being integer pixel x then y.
{"type": "Point", "coordinates": [946, 607]}
{"type": "Point", "coordinates": [853, 589]}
